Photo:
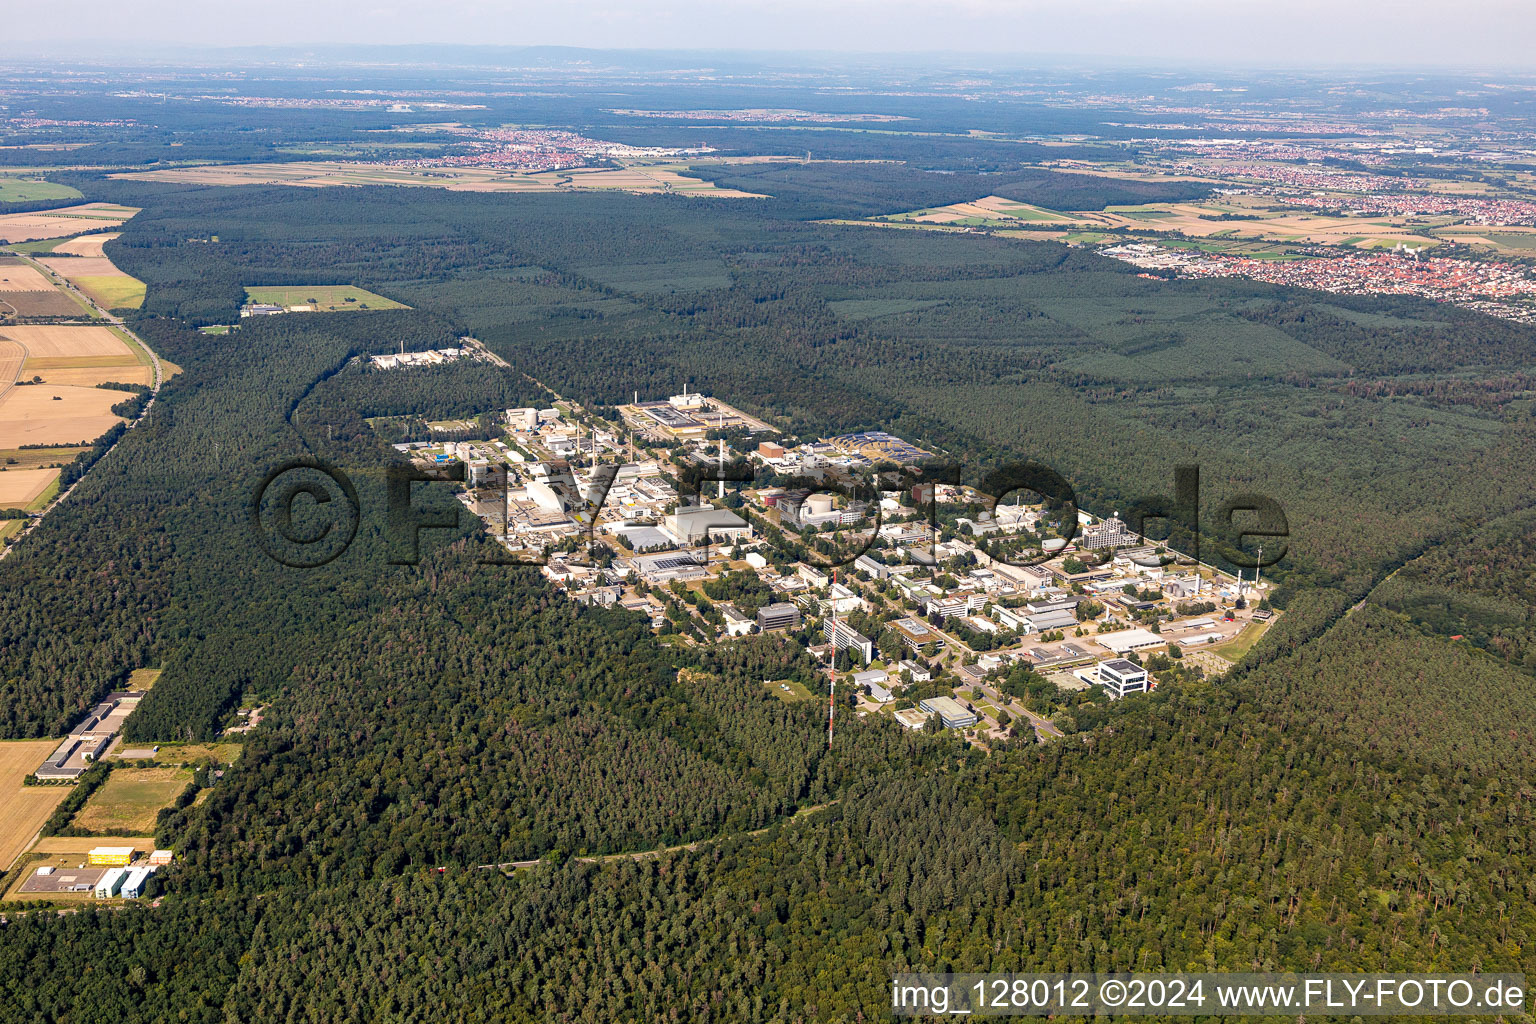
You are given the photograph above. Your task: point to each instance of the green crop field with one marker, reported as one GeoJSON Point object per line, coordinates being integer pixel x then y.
{"type": "Point", "coordinates": [115, 292]}
{"type": "Point", "coordinates": [28, 190]}
{"type": "Point", "coordinates": [326, 298]}
{"type": "Point", "coordinates": [41, 501]}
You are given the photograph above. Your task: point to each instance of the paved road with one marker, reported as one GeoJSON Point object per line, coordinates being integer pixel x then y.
{"type": "Point", "coordinates": [1017, 710]}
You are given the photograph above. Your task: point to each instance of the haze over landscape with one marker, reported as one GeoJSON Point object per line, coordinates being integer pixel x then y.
{"type": "Point", "coordinates": [1211, 33]}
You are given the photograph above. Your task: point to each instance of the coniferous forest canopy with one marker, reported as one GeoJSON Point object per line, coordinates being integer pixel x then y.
{"type": "Point", "coordinates": [1360, 793]}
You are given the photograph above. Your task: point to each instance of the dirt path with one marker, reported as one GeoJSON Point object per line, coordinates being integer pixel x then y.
{"type": "Point", "coordinates": [609, 858]}
{"type": "Point", "coordinates": [12, 355]}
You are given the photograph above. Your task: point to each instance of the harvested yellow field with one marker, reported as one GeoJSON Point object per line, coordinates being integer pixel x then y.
{"type": "Point", "coordinates": [80, 266]}
{"type": "Point", "coordinates": [47, 341]}
{"type": "Point", "coordinates": [90, 376]}
{"type": "Point", "coordinates": [56, 414]}
{"type": "Point", "coordinates": [12, 355]}
{"type": "Point", "coordinates": [1232, 218]}
{"type": "Point", "coordinates": [18, 277]}
{"type": "Point", "coordinates": [18, 487]}
{"type": "Point", "coordinates": [28, 227]}
{"type": "Point", "coordinates": [990, 210]}
{"type": "Point", "coordinates": [23, 809]}
{"type": "Point", "coordinates": [85, 245]}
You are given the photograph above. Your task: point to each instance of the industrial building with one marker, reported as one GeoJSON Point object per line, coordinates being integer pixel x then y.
{"type": "Point", "coordinates": [110, 856]}
{"type": "Point", "coordinates": [1111, 533]}
{"type": "Point", "coordinates": [736, 624]}
{"type": "Point", "coordinates": [701, 524]}
{"type": "Point", "coordinates": [1046, 621]}
{"type": "Point", "coordinates": [879, 446]}
{"type": "Point", "coordinates": [133, 885]}
{"type": "Point", "coordinates": [1128, 640]}
{"type": "Point", "coordinates": [90, 740]}
{"type": "Point", "coordinates": [871, 568]}
{"type": "Point", "coordinates": [915, 633]}
{"type": "Point", "coordinates": [111, 883]}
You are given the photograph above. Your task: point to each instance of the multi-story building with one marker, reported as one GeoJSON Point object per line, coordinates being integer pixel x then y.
{"type": "Point", "coordinates": [951, 712]}
{"type": "Point", "coordinates": [844, 637]}
{"type": "Point", "coordinates": [1121, 677]}
{"type": "Point", "coordinates": [778, 616]}
{"type": "Point", "coordinates": [1111, 533]}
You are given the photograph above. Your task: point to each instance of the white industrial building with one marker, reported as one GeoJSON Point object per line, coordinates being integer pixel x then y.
{"type": "Point", "coordinates": [1128, 640]}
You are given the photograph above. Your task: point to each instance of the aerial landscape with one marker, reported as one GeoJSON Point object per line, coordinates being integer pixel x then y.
{"type": "Point", "coordinates": [712, 524]}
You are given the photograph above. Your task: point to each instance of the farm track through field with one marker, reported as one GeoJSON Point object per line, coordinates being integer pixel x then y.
{"type": "Point", "coordinates": [12, 355]}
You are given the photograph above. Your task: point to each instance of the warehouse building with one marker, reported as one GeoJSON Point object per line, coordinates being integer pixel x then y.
{"type": "Point", "coordinates": [111, 883]}
{"type": "Point", "coordinates": [705, 524]}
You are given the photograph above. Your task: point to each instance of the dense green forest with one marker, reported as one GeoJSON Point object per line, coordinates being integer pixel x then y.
{"type": "Point", "coordinates": [992, 350]}
{"type": "Point", "coordinates": [1213, 827]}
{"type": "Point", "coordinates": [1357, 795]}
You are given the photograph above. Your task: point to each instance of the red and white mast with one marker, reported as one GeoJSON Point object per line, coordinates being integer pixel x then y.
{"type": "Point", "coordinates": [832, 669]}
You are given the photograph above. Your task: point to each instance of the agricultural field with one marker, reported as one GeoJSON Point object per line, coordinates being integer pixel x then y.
{"type": "Point", "coordinates": [34, 458]}
{"type": "Point", "coordinates": [85, 245]}
{"type": "Point", "coordinates": [16, 276]}
{"type": "Point", "coordinates": [322, 298]}
{"type": "Point", "coordinates": [13, 355]}
{"type": "Point", "coordinates": [58, 346]}
{"type": "Point", "coordinates": [129, 800]}
{"type": "Point", "coordinates": [321, 174]}
{"type": "Point", "coordinates": [23, 189]}
{"type": "Point", "coordinates": [20, 488]}
{"type": "Point", "coordinates": [23, 809]}
{"type": "Point", "coordinates": [98, 277]}
{"type": "Point", "coordinates": [988, 211]}
{"type": "Point", "coordinates": [48, 414]}
{"type": "Point", "coordinates": [72, 220]}
{"type": "Point", "coordinates": [1233, 218]}
{"type": "Point", "coordinates": [27, 291]}
{"type": "Point", "coordinates": [67, 407]}
{"type": "Point", "coordinates": [50, 303]}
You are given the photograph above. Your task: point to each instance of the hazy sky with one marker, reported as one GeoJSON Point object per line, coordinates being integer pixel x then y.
{"type": "Point", "coordinates": [1409, 33]}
